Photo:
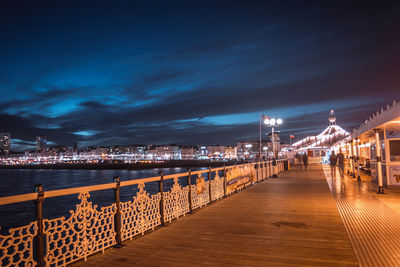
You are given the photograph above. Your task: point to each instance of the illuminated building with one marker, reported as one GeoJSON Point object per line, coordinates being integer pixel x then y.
{"type": "Point", "coordinates": [188, 152]}
{"type": "Point", "coordinates": [167, 152]}
{"type": "Point", "coordinates": [317, 146]}
{"type": "Point", "coordinates": [5, 143]}
{"type": "Point", "coordinates": [230, 152]}
{"type": "Point", "coordinates": [216, 151]}
{"type": "Point", "coordinates": [251, 150]}
{"type": "Point", "coordinates": [375, 147]}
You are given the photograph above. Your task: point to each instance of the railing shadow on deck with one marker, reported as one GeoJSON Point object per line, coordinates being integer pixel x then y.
{"type": "Point", "coordinates": [89, 229]}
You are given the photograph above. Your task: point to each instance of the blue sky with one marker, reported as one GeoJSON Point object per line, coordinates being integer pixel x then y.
{"type": "Point", "coordinates": [188, 72]}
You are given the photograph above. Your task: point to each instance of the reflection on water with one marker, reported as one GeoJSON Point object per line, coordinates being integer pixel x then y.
{"type": "Point", "coordinates": [14, 182]}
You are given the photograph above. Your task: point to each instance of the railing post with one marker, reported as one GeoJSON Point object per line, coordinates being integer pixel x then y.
{"type": "Point", "coordinates": [117, 217]}
{"type": "Point", "coordinates": [190, 191]}
{"type": "Point", "coordinates": [264, 170]}
{"type": "Point", "coordinates": [224, 181]}
{"type": "Point", "coordinates": [40, 227]}
{"type": "Point", "coordinates": [256, 167]}
{"type": "Point", "coordinates": [270, 169]}
{"type": "Point", "coordinates": [209, 183]}
{"type": "Point", "coordinates": [162, 198]}
{"type": "Point", "coordinates": [260, 170]}
{"type": "Point", "coordinates": [274, 168]}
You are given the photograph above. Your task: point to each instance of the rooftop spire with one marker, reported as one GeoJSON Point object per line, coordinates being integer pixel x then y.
{"type": "Point", "coordinates": [332, 117]}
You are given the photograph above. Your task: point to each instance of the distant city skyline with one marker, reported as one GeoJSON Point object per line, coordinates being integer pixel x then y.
{"type": "Point", "coordinates": [179, 72]}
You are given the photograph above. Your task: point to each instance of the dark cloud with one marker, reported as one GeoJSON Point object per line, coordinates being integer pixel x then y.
{"type": "Point", "coordinates": [23, 129]}
{"type": "Point", "coordinates": [148, 72]}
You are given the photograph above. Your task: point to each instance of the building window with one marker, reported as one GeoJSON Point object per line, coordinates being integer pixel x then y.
{"type": "Point", "coordinates": [394, 150]}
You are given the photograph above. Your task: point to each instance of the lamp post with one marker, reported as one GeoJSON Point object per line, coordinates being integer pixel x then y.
{"type": "Point", "coordinates": [273, 123]}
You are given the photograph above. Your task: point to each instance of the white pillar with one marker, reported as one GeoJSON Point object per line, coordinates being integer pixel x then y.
{"type": "Point", "coordinates": [387, 154]}
{"type": "Point", "coordinates": [274, 167]}
{"type": "Point", "coordinates": [273, 141]}
{"type": "Point", "coordinates": [353, 171]}
{"type": "Point", "coordinates": [358, 160]}
{"type": "Point", "coordinates": [350, 158]}
{"type": "Point", "coordinates": [379, 162]}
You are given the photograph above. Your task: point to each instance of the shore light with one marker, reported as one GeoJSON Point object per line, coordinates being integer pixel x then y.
{"type": "Point", "coordinates": [273, 123]}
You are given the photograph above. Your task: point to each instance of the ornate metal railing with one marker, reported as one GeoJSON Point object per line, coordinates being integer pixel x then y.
{"type": "Point", "coordinates": [89, 229]}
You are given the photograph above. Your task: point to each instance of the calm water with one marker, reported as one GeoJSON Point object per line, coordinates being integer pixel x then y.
{"type": "Point", "coordinates": [14, 182]}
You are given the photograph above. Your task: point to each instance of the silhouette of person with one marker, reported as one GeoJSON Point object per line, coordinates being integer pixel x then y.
{"type": "Point", "coordinates": [340, 162]}
{"type": "Point", "coordinates": [332, 163]}
{"type": "Point", "coordinates": [305, 160]}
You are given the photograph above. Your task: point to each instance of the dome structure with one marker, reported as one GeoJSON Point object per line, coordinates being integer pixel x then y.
{"type": "Point", "coordinates": [328, 137]}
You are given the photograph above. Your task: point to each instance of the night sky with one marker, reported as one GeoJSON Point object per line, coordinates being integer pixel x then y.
{"type": "Point", "coordinates": [133, 72]}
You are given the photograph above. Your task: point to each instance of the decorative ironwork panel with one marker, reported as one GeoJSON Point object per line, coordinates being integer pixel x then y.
{"type": "Point", "coordinates": [201, 195]}
{"type": "Point", "coordinates": [16, 249]}
{"type": "Point", "coordinates": [140, 214]}
{"type": "Point", "coordinates": [217, 187]}
{"type": "Point", "coordinates": [85, 232]}
{"type": "Point", "coordinates": [176, 201]}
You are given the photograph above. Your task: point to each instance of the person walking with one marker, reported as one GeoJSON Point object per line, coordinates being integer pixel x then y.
{"type": "Point", "coordinates": [332, 163]}
{"type": "Point", "coordinates": [305, 160]}
{"type": "Point", "coordinates": [340, 162]}
{"type": "Point", "coordinates": [299, 161]}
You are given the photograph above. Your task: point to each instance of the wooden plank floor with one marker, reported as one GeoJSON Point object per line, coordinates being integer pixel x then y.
{"type": "Point", "coordinates": [371, 224]}
{"type": "Point", "coordinates": [289, 221]}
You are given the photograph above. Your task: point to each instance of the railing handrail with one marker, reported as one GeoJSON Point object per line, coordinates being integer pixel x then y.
{"type": "Point", "coordinates": [91, 188]}
{"type": "Point", "coordinates": [60, 241]}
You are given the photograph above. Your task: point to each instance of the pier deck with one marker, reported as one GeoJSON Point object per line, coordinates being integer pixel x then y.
{"type": "Point", "coordinates": [288, 221]}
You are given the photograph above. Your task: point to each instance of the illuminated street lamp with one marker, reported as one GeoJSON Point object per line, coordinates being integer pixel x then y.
{"type": "Point", "coordinates": [273, 123]}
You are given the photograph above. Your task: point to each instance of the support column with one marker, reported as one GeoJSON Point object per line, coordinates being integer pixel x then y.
{"type": "Point", "coordinates": [350, 158]}
{"type": "Point", "coordinates": [274, 170]}
{"type": "Point", "coordinates": [358, 160]}
{"type": "Point", "coordinates": [387, 154]}
{"type": "Point", "coordinates": [353, 171]}
{"type": "Point", "coordinates": [379, 162]}
{"type": "Point", "coordinates": [273, 142]}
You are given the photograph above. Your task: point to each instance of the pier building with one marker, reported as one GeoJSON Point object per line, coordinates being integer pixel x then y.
{"type": "Point", "coordinates": [318, 147]}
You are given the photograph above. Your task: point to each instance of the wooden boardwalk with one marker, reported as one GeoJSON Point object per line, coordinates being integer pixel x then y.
{"type": "Point", "coordinates": [289, 221]}
{"type": "Point", "coordinates": [371, 223]}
